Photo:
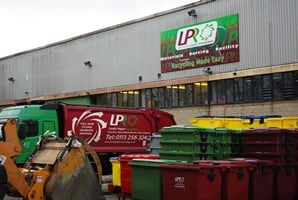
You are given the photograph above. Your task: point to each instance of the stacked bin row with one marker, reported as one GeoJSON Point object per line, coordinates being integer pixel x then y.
{"type": "Point", "coordinates": [187, 143]}
{"type": "Point", "coordinates": [227, 143]}
{"type": "Point", "coordinates": [166, 179]}
{"type": "Point", "coordinates": [245, 179]}
{"type": "Point", "coordinates": [245, 122]}
{"type": "Point", "coordinates": [277, 144]}
{"type": "Point", "coordinates": [280, 146]}
{"type": "Point", "coordinates": [190, 143]}
{"type": "Point", "coordinates": [206, 180]}
{"type": "Point", "coordinates": [267, 159]}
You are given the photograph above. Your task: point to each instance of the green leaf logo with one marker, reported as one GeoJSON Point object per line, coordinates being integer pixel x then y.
{"type": "Point", "coordinates": [207, 32]}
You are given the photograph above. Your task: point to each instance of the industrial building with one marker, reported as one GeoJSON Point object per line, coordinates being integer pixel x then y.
{"type": "Point", "coordinates": [210, 57]}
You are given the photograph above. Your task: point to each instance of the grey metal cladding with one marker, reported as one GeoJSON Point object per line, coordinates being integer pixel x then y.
{"type": "Point", "coordinates": [120, 54]}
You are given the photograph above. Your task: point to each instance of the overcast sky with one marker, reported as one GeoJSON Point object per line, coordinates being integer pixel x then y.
{"type": "Point", "coordinates": [27, 24]}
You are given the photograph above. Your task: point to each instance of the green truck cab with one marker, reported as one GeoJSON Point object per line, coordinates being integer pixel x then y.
{"type": "Point", "coordinates": [33, 122]}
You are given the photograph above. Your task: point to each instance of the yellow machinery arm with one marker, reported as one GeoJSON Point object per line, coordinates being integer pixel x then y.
{"type": "Point", "coordinates": [56, 170]}
{"type": "Point", "coordinates": [9, 150]}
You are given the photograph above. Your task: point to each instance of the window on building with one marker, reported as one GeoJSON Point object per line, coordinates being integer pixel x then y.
{"type": "Point", "coordinates": [238, 90]}
{"type": "Point", "coordinates": [230, 91]}
{"type": "Point", "coordinates": [213, 92]}
{"type": "Point", "coordinates": [154, 96]}
{"type": "Point", "coordinates": [218, 92]}
{"type": "Point", "coordinates": [204, 92]}
{"type": "Point", "coordinates": [143, 98]}
{"type": "Point", "coordinates": [136, 99]}
{"type": "Point", "coordinates": [125, 99]}
{"type": "Point", "coordinates": [197, 94]}
{"type": "Point", "coordinates": [120, 99]}
{"type": "Point", "coordinates": [200, 93]}
{"type": "Point", "coordinates": [175, 93]}
{"type": "Point", "coordinates": [238, 86]}
{"type": "Point", "coordinates": [161, 97]}
{"type": "Point", "coordinates": [288, 86]}
{"type": "Point", "coordinates": [221, 92]}
{"type": "Point", "coordinates": [188, 95]}
{"type": "Point", "coordinates": [133, 98]}
{"type": "Point", "coordinates": [114, 99]}
{"type": "Point", "coordinates": [257, 88]}
{"type": "Point", "coordinates": [148, 96]}
{"type": "Point", "coordinates": [168, 96]}
{"type": "Point", "coordinates": [171, 96]}
{"type": "Point", "coordinates": [247, 84]}
{"type": "Point", "coordinates": [130, 98]}
{"type": "Point", "coordinates": [277, 86]}
{"type": "Point", "coordinates": [101, 99]}
{"type": "Point", "coordinates": [295, 83]}
{"type": "Point", "coordinates": [181, 95]}
{"type": "Point", "coordinates": [108, 99]}
{"type": "Point", "coordinates": [266, 87]}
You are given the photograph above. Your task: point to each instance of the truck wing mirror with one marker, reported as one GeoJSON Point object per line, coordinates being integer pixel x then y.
{"type": "Point", "coordinates": [22, 131]}
{"type": "Point", "coordinates": [49, 133]}
{"type": "Point", "coordinates": [1, 133]}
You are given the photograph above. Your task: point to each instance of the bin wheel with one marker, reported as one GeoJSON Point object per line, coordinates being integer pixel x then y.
{"type": "Point", "coordinates": [203, 147]}
{"type": "Point", "coordinates": [204, 136]}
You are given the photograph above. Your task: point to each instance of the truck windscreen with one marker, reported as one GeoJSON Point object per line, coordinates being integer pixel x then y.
{"type": "Point", "coordinates": [9, 113]}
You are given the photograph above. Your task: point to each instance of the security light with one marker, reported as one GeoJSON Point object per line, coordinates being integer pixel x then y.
{"type": "Point", "coordinates": [207, 71]}
{"type": "Point", "coordinates": [88, 63]}
{"type": "Point", "coordinates": [11, 79]}
{"type": "Point", "coordinates": [192, 13]}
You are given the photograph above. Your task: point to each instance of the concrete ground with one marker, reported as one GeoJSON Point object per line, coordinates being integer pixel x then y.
{"type": "Point", "coordinates": [109, 196]}
{"type": "Point", "coordinates": [112, 197]}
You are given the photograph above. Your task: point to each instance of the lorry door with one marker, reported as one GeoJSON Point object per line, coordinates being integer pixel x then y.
{"type": "Point", "coordinates": [28, 134]}
{"type": "Point", "coordinates": [48, 127]}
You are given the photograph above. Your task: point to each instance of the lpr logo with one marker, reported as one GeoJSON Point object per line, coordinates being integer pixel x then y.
{"type": "Point", "coordinates": [179, 182]}
{"type": "Point", "coordinates": [195, 36]}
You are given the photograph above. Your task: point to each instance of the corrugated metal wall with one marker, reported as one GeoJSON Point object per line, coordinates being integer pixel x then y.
{"type": "Point", "coordinates": [268, 32]}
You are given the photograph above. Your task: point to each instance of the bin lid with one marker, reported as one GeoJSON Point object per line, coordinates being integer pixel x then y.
{"type": "Point", "coordinates": [185, 128]}
{"type": "Point", "coordinates": [128, 157]}
{"type": "Point", "coordinates": [181, 153]}
{"type": "Point", "coordinates": [265, 130]}
{"type": "Point", "coordinates": [183, 166]}
{"type": "Point", "coordinates": [222, 163]}
{"type": "Point", "coordinates": [178, 142]}
{"type": "Point", "coordinates": [253, 161]}
{"type": "Point", "coordinates": [153, 162]}
{"type": "Point", "coordinates": [115, 158]}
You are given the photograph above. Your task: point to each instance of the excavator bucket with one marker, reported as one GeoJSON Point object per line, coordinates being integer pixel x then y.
{"type": "Point", "coordinates": [73, 179]}
{"type": "Point", "coordinates": [72, 176]}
